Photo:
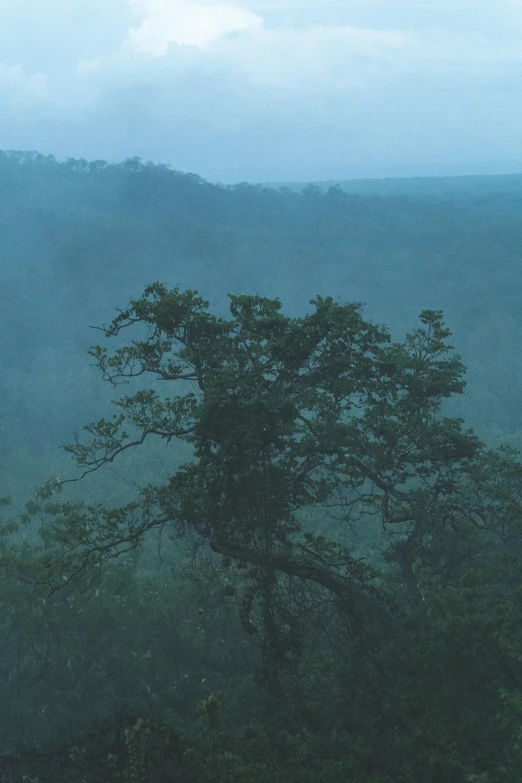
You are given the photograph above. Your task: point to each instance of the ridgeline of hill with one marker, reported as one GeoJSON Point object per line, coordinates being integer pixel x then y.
{"type": "Point", "coordinates": [78, 238]}
{"type": "Point", "coordinates": [460, 187]}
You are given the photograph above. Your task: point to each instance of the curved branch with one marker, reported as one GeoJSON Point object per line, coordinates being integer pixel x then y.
{"type": "Point", "coordinates": [354, 605]}
{"type": "Point", "coordinates": [98, 463]}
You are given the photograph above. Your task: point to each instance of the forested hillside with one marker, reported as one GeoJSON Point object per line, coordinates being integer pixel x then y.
{"type": "Point", "coordinates": [78, 238]}
{"type": "Point", "coordinates": [282, 544]}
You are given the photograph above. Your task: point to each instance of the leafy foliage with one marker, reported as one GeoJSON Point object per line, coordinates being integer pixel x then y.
{"type": "Point", "coordinates": [270, 650]}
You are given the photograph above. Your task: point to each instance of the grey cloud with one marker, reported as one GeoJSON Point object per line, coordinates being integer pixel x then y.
{"type": "Point", "coordinates": [273, 103]}
{"type": "Point", "coordinates": [49, 36]}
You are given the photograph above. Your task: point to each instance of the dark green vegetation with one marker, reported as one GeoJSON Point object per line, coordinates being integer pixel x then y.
{"type": "Point", "coordinates": [309, 569]}
{"type": "Point", "coordinates": [310, 661]}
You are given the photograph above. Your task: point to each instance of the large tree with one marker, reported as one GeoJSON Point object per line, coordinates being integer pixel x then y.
{"type": "Point", "coordinates": [285, 414]}
{"type": "Point", "coordinates": [288, 415]}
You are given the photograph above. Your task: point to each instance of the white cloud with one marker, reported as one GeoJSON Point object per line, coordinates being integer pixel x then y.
{"type": "Point", "coordinates": [20, 89]}
{"type": "Point", "coordinates": [322, 59]}
{"type": "Point", "coordinates": [186, 24]}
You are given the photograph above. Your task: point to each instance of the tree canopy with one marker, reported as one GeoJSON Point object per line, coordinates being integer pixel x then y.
{"type": "Point", "coordinates": [284, 414]}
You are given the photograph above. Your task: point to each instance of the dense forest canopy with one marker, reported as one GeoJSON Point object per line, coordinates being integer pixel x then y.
{"type": "Point", "coordinates": [286, 556]}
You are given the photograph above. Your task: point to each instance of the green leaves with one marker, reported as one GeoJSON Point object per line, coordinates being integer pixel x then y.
{"type": "Point", "coordinates": [285, 413]}
{"type": "Point", "coordinates": [288, 416]}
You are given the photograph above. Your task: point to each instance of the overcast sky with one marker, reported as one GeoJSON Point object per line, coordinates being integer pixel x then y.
{"type": "Point", "coordinates": [267, 90]}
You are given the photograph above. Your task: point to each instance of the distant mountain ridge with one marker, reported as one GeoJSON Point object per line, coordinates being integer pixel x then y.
{"type": "Point", "coordinates": [420, 187]}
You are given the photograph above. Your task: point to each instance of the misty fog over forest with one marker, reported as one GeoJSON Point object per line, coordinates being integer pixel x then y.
{"type": "Point", "coordinates": [260, 400]}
